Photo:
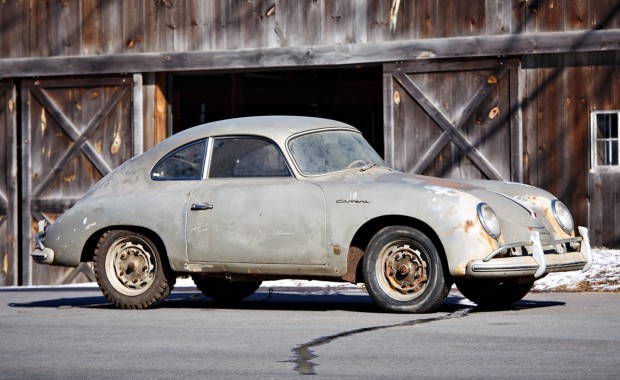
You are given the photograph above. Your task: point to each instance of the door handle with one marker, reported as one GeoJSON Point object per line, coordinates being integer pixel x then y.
{"type": "Point", "coordinates": [201, 206]}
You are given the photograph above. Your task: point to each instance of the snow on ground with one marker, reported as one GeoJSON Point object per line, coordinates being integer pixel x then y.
{"type": "Point", "coordinates": [604, 276]}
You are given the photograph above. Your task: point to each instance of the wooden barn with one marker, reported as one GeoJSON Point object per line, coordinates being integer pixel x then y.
{"type": "Point", "coordinates": [516, 90]}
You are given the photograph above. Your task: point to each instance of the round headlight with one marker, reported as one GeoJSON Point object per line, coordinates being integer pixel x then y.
{"type": "Point", "coordinates": [489, 221]}
{"type": "Point", "coordinates": [562, 215]}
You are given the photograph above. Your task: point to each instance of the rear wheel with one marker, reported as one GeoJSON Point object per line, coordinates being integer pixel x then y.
{"type": "Point", "coordinates": [130, 271]}
{"type": "Point", "coordinates": [403, 271]}
{"type": "Point", "coordinates": [492, 293]}
{"type": "Point", "coordinates": [225, 291]}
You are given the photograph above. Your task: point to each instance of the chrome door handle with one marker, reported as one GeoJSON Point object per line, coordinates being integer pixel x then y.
{"type": "Point", "coordinates": [201, 206]}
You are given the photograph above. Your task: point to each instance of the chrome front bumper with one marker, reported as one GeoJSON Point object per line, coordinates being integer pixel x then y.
{"type": "Point", "coordinates": [538, 262]}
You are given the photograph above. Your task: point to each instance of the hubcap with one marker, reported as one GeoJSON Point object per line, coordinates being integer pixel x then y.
{"type": "Point", "coordinates": [402, 272]}
{"type": "Point", "coordinates": [130, 267]}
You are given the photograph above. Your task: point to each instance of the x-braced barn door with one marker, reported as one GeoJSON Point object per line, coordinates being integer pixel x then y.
{"type": "Point", "coordinates": [8, 186]}
{"type": "Point", "coordinates": [74, 132]}
{"type": "Point", "coordinates": [454, 119]}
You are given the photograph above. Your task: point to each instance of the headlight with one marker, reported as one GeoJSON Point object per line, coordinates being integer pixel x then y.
{"type": "Point", "coordinates": [489, 221]}
{"type": "Point", "coordinates": [562, 215]}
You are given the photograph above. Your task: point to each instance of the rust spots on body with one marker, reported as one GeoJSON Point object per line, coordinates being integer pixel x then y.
{"type": "Point", "coordinates": [468, 225]}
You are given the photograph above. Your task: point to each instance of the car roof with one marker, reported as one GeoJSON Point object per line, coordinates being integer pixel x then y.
{"type": "Point", "coordinates": [277, 128]}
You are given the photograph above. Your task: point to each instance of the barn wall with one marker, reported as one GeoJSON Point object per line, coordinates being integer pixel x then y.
{"type": "Point", "coordinates": [558, 94]}
{"type": "Point", "coordinates": [96, 27]}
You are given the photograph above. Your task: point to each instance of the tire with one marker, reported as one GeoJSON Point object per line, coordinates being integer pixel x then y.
{"type": "Point", "coordinates": [225, 291]}
{"type": "Point", "coordinates": [493, 293]}
{"type": "Point", "coordinates": [130, 270]}
{"type": "Point", "coordinates": [403, 271]}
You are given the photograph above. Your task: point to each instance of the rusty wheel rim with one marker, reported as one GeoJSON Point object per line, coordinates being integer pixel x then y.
{"type": "Point", "coordinates": [402, 271]}
{"type": "Point", "coordinates": [130, 267]}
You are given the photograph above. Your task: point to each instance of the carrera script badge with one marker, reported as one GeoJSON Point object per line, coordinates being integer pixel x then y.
{"type": "Point", "coordinates": [351, 201]}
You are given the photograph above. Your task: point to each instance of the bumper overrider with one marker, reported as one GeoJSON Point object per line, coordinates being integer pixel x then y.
{"type": "Point", "coordinates": [543, 257]}
{"type": "Point", "coordinates": [41, 254]}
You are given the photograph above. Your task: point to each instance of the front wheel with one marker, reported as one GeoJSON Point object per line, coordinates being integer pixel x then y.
{"type": "Point", "coordinates": [492, 293]}
{"type": "Point", "coordinates": [403, 271]}
{"type": "Point", "coordinates": [130, 271]}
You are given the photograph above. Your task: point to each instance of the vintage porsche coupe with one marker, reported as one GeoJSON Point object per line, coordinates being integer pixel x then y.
{"type": "Point", "coordinates": [235, 202]}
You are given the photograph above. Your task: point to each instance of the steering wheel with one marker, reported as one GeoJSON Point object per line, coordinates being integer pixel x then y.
{"type": "Point", "coordinates": [353, 164]}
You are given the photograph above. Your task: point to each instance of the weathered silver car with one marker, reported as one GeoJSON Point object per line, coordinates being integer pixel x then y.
{"type": "Point", "coordinates": [239, 201]}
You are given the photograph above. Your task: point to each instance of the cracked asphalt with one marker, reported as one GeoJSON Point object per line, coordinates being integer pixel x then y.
{"type": "Point", "coordinates": [76, 334]}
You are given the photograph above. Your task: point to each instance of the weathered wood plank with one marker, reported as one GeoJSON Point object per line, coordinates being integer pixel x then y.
{"type": "Point", "coordinates": [66, 31]}
{"type": "Point", "coordinates": [26, 186]}
{"type": "Point", "coordinates": [9, 201]}
{"type": "Point", "coordinates": [498, 18]}
{"type": "Point", "coordinates": [92, 36]}
{"type": "Point", "coordinates": [317, 55]}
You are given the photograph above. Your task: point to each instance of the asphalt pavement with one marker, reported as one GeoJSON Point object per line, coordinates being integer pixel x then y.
{"type": "Point", "coordinates": [287, 333]}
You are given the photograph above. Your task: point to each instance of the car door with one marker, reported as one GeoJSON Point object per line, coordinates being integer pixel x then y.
{"type": "Point", "coordinates": [251, 209]}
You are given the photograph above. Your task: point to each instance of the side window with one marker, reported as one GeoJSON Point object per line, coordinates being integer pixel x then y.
{"type": "Point", "coordinates": [605, 140]}
{"type": "Point", "coordinates": [246, 157]}
{"type": "Point", "coordinates": [185, 163]}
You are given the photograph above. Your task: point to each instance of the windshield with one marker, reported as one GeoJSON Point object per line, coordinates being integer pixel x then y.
{"type": "Point", "coordinates": [333, 151]}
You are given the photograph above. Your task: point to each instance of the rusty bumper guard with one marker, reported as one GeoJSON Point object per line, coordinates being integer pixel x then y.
{"type": "Point", "coordinates": [41, 254]}
{"type": "Point", "coordinates": [538, 263]}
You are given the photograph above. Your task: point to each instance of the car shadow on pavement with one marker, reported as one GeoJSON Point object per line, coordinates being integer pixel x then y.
{"type": "Point", "coordinates": [277, 300]}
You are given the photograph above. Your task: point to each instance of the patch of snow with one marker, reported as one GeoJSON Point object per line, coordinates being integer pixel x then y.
{"type": "Point", "coordinates": [604, 276]}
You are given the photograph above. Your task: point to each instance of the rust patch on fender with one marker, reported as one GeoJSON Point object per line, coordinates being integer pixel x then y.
{"type": "Point", "coordinates": [468, 225]}
{"type": "Point", "coordinates": [353, 258]}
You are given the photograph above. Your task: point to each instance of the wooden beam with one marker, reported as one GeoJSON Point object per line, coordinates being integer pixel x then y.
{"type": "Point", "coordinates": [326, 55]}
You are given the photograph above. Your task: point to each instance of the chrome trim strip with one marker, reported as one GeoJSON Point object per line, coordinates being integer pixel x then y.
{"type": "Point", "coordinates": [516, 268]}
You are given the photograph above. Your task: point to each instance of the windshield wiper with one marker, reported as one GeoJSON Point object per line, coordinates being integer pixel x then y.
{"type": "Point", "coordinates": [366, 167]}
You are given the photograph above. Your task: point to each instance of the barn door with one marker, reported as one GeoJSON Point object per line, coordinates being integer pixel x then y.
{"type": "Point", "coordinates": [453, 119]}
{"type": "Point", "coordinates": [8, 186]}
{"type": "Point", "coordinates": [74, 132]}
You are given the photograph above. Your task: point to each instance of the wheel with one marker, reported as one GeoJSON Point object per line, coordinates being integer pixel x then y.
{"type": "Point", "coordinates": [493, 293]}
{"type": "Point", "coordinates": [130, 271]}
{"type": "Point", "coordinates": [403, 271]}
{"type": "Point", "coordinates": [225, 291]}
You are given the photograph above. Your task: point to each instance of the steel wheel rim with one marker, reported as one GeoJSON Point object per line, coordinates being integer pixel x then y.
{"type": "Point", "coordinates": [402, 271]}
{"type": "Point", "coordinates": [130, 267]}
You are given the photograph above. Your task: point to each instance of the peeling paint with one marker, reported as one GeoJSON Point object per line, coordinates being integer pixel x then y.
{"type": "Point", "coordinates": [283, 233]}
{"type": "Point", "coordinates": [442, 191]}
